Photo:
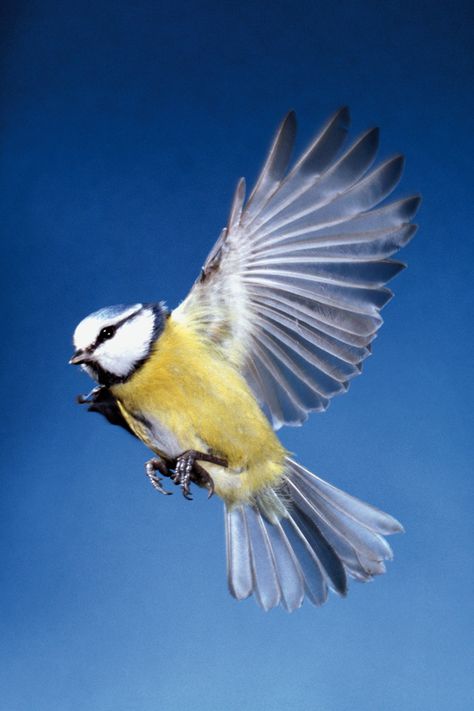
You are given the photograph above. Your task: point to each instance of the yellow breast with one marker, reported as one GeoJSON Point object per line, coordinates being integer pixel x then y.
{"type": "Point", "coordinates": [204, 401]}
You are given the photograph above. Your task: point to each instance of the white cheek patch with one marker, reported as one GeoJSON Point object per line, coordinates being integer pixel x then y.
{"type": "Point", "coordinates": [87, 331]}
{"type": "Point", "coordinates": [131, 342]}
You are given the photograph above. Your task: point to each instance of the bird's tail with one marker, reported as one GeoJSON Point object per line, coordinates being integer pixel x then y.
{"type": "Point", "coordinates": [301, 539]}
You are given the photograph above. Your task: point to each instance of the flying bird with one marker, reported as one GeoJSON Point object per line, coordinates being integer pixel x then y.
{"type": "Point", "coordinates": [278, 322]}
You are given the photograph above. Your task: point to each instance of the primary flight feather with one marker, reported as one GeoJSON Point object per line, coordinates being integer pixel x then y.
{"type": "Point", "coordinates": [278, 322]}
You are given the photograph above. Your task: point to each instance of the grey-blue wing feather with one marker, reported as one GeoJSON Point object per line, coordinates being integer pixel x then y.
{"type": "Point", "coordinates": [293, 289]}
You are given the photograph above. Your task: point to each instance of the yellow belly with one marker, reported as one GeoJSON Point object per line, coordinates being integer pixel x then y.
{"type": "Point", "coordinates": [203, 401]}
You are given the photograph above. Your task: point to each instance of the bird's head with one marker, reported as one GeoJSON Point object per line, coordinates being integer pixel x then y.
{"type": "Point", "coordinates": [111, 344]}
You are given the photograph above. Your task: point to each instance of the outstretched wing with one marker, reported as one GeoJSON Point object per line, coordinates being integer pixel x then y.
{"type": "Point", "coordinates": [292, 290]}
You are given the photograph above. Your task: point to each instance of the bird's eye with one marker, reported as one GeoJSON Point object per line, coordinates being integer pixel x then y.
{"type": "Point", "coordinates": [107, 332]}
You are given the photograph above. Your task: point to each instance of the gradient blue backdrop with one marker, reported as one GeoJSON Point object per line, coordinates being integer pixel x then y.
{"type": "Point", "coordinates": [125, 127]}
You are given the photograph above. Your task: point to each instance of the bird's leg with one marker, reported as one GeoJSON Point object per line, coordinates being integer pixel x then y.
{"type": "Point", "coordinates": [188, 470]}
{"type": "Point", "coordinates": [157, 465]}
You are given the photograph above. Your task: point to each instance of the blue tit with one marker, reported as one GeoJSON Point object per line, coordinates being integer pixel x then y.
{"type": "Point", "coordinates": [279, 321]}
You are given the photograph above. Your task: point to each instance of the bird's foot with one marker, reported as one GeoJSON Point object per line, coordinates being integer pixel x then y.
{"type": "Point", "coordinates": [92, 397]}
{"type": "Point", "coordinates": [188, 470]}
{"type": "Point", "coordinates": [157, 465]}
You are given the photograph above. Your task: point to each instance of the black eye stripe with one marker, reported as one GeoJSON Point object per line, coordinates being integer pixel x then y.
{"type": "Point", "coordinates": [105, 334]}
{"type": "Point", "coordinates": [109, 331]}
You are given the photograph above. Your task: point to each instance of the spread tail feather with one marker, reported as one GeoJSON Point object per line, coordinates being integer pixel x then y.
{"type": "Point", "coordinates": [301, 539]}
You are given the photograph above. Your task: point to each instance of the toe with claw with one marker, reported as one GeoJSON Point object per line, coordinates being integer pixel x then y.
{"type": "Point", "coordinates": [157, 465]}
{"type": "Point", "coordinates": [182, 476]}
{"type": "Point", "coordinates": [188, 470]}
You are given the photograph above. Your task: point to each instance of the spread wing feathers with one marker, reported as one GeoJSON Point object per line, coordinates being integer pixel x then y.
{"type": "Point", "coordinates": [323, 535]}
{"type": "Point", "coordinates": [292, 290]}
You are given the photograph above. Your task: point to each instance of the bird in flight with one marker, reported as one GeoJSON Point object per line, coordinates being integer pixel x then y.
{"type": "Point", "coordinates": [278, 322]}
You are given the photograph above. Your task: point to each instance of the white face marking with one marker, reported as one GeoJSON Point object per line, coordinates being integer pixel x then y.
{"type": "Point", "coordinates": [88, 329]}
{"type": "Point", "coordinates": [128, 346]}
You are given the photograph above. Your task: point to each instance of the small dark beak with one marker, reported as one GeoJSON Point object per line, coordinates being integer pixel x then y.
{"type": "Point", "coordinates": [78, 358]}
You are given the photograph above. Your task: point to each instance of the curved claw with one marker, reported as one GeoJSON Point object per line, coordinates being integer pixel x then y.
{"type": "Point", "coordinates": [203, 478]}
{"type": "Point", "coordinates": [151, 467]}
{"type": "Point", "coordinates": [158, 486]}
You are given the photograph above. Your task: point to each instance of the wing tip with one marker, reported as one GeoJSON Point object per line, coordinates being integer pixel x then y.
{"type": "Point", "coordinates": [290, 118]}
{"type": "Point", "coordinates": [343, 115]}
{"type": "Point", "coordinates": [397, 164]}
{"type": "Point", "coordinates": [287, 127]}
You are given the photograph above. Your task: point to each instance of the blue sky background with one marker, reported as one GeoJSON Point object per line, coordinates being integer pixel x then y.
{"type": "Point", "coordinates": [124, 129]}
